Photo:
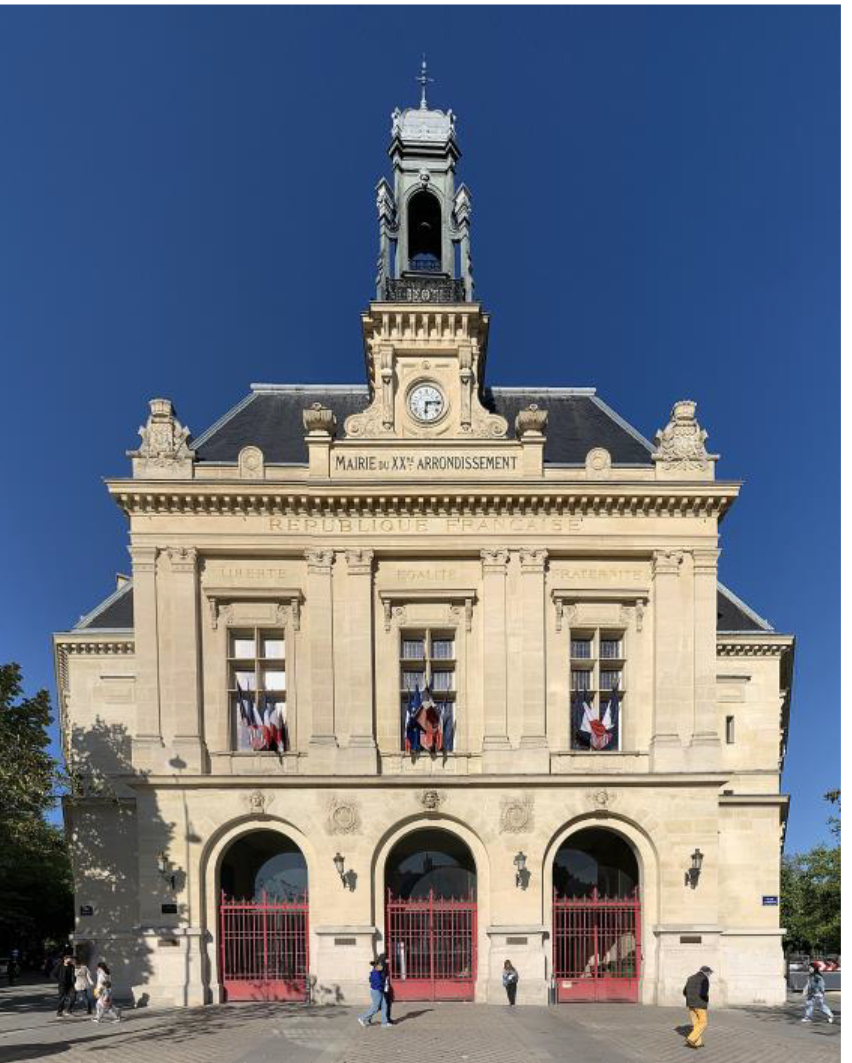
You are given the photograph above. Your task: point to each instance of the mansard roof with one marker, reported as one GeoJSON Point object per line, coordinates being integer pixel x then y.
{"type": "Point", "coordinates": [733, 615]}
{"type": "Point", "coordinates": [116, 613]}
{"type": "Point", "coordinates": [270, 418]}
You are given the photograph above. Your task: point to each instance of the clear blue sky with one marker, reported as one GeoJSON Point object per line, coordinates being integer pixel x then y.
{"type": "Point", "coordinates": [656, 197]}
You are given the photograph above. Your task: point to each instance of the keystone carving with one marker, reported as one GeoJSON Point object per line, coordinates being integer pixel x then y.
{"type": "Point", "coordinates": [516, 815]}
{"type": "Point", "coordinates": [164, 452]}
{"type": "Point", "coordinates": [680, 445]}
{"type": "Point", "coordinates": [431, 799]}
{"type": "Point", "coordinates": [602, 799]}
{"type": "Point", "coordinates": [343, 817]}
{"type": "Point", "coordinates": [257, 802]}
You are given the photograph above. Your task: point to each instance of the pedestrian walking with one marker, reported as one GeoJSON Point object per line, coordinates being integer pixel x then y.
{"type": "Point", "coordinates": [64, 974]}
{"type": "Point", "coordinates": [103, 993]}
{"type": "Point", "coordinates": [379, 1003]}
{"type": "Point", "coordinates": [82, 986]}
{"type": "Point", "coordinates": [697, 993]}
{"type": "Point", "coordinates": [814, 993]}
{"type": "Point", "coordinates": [510, 981]}
{"type": "Point", "coordinates": [388, 987]}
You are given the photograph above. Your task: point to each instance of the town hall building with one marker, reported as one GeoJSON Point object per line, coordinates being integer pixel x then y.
{"type": "Point", "coordinates": [429, 668]}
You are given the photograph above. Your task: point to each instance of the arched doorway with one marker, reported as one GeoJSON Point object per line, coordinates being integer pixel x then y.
{"type": "Point", "coordinates": [430, 917]}
{"type": "Point", "coordinates": [263, 912]}
{"type": "Point", "coordinates": [596, 918]}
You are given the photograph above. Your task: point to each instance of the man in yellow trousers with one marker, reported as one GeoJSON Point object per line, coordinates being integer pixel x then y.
{"type": "Point", "coordinates": [697, 993]}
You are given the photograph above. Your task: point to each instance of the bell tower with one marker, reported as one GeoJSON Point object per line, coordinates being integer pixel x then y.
{"type": "Point", "coordinates": [424, 220]}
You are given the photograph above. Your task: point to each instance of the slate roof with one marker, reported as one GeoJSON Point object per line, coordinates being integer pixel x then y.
{"type": "Point", "coordinates": [270, 418]}
{"type": "Point", "coordinates": [116, 612]}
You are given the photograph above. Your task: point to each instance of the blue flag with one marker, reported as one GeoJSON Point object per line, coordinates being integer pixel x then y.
{"type": "Point", "coordinates": [412, 727]}
{"type": "Point", "coordinates": [448, 726]}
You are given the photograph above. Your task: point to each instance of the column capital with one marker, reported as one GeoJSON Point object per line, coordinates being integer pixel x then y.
{"type": "Point", "coordinates": [705, 561]}
{"type": "Point", "coordinates": [494, 560]}
{"type": "Point", "coordinates": [182, 558]}
{"type": "Point", "coordinates": [667, 562]}
{"type": "Point", "coordinates": [533, 560]}
{"type": "Point", "coordinates": [359, 562]}
{"type": "Point", "coordinates": [319, 561]}
{"type": "Point", "coordinates": [144, 558]}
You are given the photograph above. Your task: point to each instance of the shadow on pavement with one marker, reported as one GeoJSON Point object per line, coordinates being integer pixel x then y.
{"type": "Point", "coordinates": [411, 1015]}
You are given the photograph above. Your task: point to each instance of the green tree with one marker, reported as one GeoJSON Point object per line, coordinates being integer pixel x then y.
{"type": "Point", "coordinates": [810, 894]}
{"type": "Point", "coordinates": [36, 893]}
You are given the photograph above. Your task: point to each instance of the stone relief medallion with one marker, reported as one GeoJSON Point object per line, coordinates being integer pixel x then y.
{"type": "Point", "coordinates": [343, 817]}
{"type": "Point", "coordinates": [516, 815]}
{"type": "Point", "coordinates": [258, 802]}
{"type": "Point", "coordinates": [431, 799]}
{"type": "Point", "coordinates": [603, 799]}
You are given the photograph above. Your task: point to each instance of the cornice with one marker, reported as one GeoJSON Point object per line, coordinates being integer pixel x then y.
{"type": "Point", "coordinates": [212, 498]}
{"type": "Point", "coordinates": [753, 644]}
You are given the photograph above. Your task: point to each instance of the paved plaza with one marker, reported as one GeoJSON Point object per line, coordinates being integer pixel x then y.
{"type": "Point", "coordinates": [425, 1033]}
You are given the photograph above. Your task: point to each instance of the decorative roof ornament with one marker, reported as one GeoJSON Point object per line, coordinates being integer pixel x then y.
{"type": "Point", "coordinates": [531, 421]}
{"type": "Point", "coordinates": [164, 452]}
{"type": "Point", "coordinates": [423, 81]}
{"type": "Point", "coordinates": [680, 452]}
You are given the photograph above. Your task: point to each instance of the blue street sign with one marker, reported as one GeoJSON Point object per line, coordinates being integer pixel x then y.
{"type": "Point", "coordinates": [770, 900]}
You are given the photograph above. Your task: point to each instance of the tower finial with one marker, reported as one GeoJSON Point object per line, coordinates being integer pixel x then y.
{"type": "Point", "coordinates": [423, 81]}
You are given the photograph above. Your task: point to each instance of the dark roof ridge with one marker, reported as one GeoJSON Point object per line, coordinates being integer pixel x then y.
{"type": "Point", "coordinates": [85, 622]}
{"type": "Point", "coordinates": [765, 625]}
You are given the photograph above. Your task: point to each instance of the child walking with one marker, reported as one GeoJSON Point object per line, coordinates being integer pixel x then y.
{"type": "Point", "coordinates": [103, 991]}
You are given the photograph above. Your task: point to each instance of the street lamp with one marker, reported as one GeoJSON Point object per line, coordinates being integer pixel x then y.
{"type": "Point", "coordinates": [520, 863]}
{"type": "Point", "coordinates": [692, 875]}
{"type": "Point", "coordinates": [164, 867]}
{"type": "Point", "coordinates": [339, 865]}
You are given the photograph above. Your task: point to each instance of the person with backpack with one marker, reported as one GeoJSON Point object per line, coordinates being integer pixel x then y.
{"type": "Point", "coordinates": [814, 993]}
{"type": "Point", "coordinates": [510, 981]}
{"type": "Point", "coordinates": [697, 993]}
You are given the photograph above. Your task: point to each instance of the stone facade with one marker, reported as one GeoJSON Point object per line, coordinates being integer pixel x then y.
{"type": "Point", "coordinates": [396, 522]}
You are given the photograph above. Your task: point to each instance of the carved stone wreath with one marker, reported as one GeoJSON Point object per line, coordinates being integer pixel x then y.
{"type": "Point", "coordinates": [516, 815]}
{"type": "Point", "coordinates": [343, 817]}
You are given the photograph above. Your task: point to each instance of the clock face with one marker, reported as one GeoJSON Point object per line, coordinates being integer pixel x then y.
{"type": "Point", "coordinates": [426, 402]}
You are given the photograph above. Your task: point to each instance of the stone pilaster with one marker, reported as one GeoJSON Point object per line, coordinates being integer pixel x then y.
{"type": "Point", "coordinates": [182, 693]}
{"type": "Point", "coordinates": [495, 743]}
{"type": "Point", "coordinates": [361, 757]}
{"type": "Point", "coordinates": [705, 745]}
{"type": "Point", "coordinates": [535, 755]}
{"type": "Point", "coordinates": [148, 737]}
{"type": "Point", "coordinates": [323, 741]}
{"type": "Point", "coordinates": [671, 695]}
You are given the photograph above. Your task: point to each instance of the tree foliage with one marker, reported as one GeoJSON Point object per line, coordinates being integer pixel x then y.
{"type": "Point", "coordinates": [36, 893]}
{"type": "Point", "coordinates": [810, 894]}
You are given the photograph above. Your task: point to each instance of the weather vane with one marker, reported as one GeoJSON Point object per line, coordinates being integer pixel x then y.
{"type": "Point", "coordinates": [423, 81]}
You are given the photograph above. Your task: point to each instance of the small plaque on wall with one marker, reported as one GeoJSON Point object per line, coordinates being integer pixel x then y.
{"type": "Point", "coordinates": [164, 943]}
{"type": "Point", "coordinates": [690, 939]}
{"type": "Point", "coordinates": [770, 901]}
{"type": "Point", "coordinates": [517, 941]}
{"type": "Point", "coordinates": [168, 909]}
{"type": "Point", "coordinates": [345, 941]}
{"type": "Point", "coordinates": [87, 909]}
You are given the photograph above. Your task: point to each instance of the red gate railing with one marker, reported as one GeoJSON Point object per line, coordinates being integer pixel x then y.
{"type": "Point", "coordinates": [263, 948]}
{"type": "Point", "coordinates": [597, 947]}
{"type": "Point", "coordinates": [431, 947]}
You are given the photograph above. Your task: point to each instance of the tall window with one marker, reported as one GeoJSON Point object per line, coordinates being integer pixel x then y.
{"type": "Point", "coordinates": [257, 690]}
{"type": "Point", "coordinates": [427, 674]}
{"type": "Point", "coordinates": [597, 689]}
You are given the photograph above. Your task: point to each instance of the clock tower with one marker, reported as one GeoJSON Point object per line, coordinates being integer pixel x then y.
{"type": "Point", "coordinates": [425, 337]}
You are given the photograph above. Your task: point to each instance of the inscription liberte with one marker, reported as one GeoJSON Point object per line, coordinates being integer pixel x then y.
{"type": "Point", "coordinates": [423, 525]}
{"type": "Point", "coordinates": [425, 463]}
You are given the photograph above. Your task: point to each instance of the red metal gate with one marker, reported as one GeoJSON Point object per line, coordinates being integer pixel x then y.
{"type": "Point", "coordinates": [264, 949]}
{"type": "Point", "coordinates": [431, 948]}
{"type": "Point", "coordinates": [597, 947]}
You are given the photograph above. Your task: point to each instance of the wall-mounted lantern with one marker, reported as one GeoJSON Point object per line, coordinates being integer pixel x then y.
{"type": "Point", "coordinates": [691, 877]}
{"type": "Point", "coordinates": [165, 869]}
{"type": "Point", "coordinates": [339, 866]}
{"type": "Point", "coordinates": [521, 873]}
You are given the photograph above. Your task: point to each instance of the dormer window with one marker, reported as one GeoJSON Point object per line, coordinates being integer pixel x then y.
{"type": "Point", "coordinates": [424, 233]}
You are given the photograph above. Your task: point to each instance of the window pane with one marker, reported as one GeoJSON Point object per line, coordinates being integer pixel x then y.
{"type": "Point", "coordinates": [611, 679]}
{"type": "Point", "coordinates": [443, 649]}
{"type": "Point", "coordinates": [581, 679]}
{"type": "Point", "coordinates": [729, 730]}
{"type": "Point", "coordinates": [581, 648]}
{"type": "Point", "coordinates": [245, 680]}
{"type": "Point", "coordinates": [610, 649]}
{"type": "Point", "coordinates": [242, 647]}
{"type": "Point", "coordinates": [443, 680]}
{"type": "Point", "coordinates": [412, 680]}
{"type": "Point", "coordinates": [273, 647]}
{"type": "Point", "coordinates": [413, 649]}
{"type": "Point", "coordinates": [274, 679]}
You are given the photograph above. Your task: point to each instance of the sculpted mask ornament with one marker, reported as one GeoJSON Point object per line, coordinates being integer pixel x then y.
{"type": "Point", "coordinates": [257, 802]}
{"type": "Point", "coordinates": [432, 799]}
{"type": "Point", "coordinates": [603, 799]}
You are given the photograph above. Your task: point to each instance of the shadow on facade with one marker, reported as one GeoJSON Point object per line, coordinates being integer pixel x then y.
{"type": "Point", "coordinates": [102, 824]}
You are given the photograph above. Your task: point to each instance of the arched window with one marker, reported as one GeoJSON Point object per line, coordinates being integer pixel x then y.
{"type": "Point", "coordinates": [431, 861]}
{"type": "Point", "coordinates": [424, 233]}
{"type": "Point", "coordinates": [264, 864]}
{"type": "Point", "coordinates": [595, 859]}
